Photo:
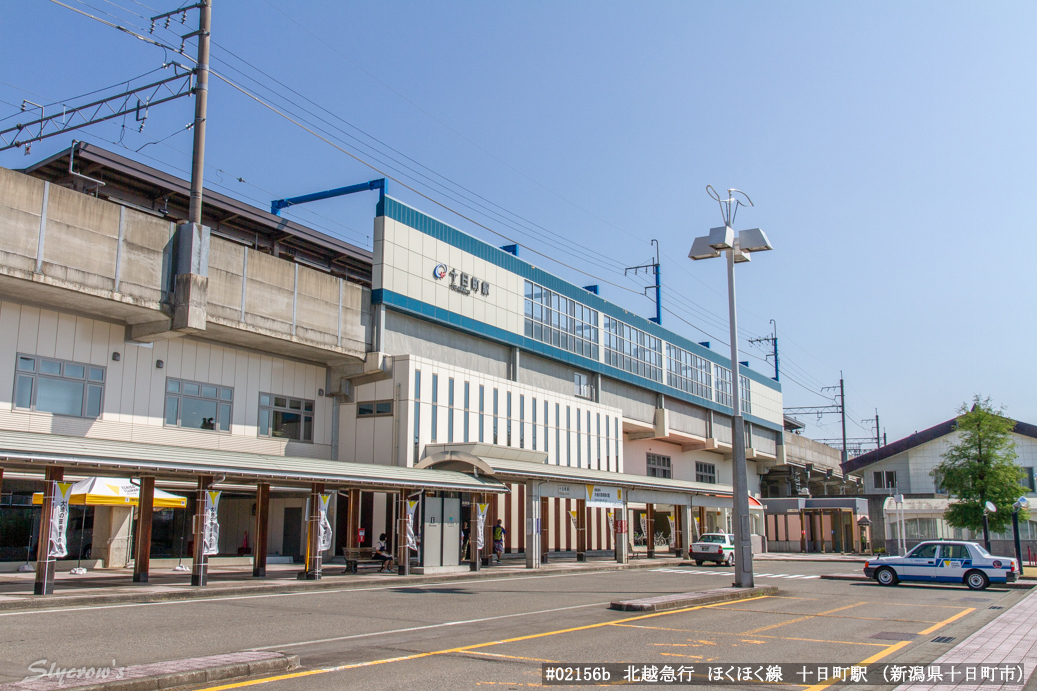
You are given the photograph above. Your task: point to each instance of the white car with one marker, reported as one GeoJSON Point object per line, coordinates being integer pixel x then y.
{"type": "Point", "coordinates": [943, 561]}
{"type": "Point", "coordinates": [715, 547]}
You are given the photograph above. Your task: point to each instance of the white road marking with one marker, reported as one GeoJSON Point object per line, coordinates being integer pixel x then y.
{"type": "Point", "coordinates": [428, 626]}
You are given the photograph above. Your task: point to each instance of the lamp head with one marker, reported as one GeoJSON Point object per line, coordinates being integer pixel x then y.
{"type": "Point", "coordinates": [990, 507]}
{"type": "Point", "coordinates": [722, 238]}
{"type": "Point", "coordinates": [753, 240]}
{"type": "Point", "coordinates": [701, 249]}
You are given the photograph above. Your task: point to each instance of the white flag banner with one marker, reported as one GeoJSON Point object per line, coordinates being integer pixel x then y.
{"type": "Point", "coordinates": [57, 545]}
{"type": "Point", "coordinates": [324, 525]}
{"type": "Point", "coordinates": [211, 531]}
{"type": "Point", "coordinates": [412, 541]}
{"type": "Point", "coordinates": [644, 526]}
{"type": "Point", "coordinates": [673, 532]}
{"type": "Point", "coordinates": [480, 525]}
{"type": "Point", "coordinates": [612, 521]}
{"type": "Point", "coordinates": [572, 515]}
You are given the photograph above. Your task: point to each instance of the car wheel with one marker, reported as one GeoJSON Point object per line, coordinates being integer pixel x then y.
{"type": "Point", "coordinates": [698, 562]}
{"type": "Point", "coordinates": [886, 576]}
{"type": "Point", "coordinates": [730, 560]}
{"type": "Point", "coordinates": [976, 580]}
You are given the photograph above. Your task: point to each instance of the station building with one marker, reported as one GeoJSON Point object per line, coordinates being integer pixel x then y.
{"type": "Point", "coordinates": [278, 364]}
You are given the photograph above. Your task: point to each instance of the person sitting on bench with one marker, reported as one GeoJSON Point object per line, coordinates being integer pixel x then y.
{"type": "Point", "coordinates": [381, 553]}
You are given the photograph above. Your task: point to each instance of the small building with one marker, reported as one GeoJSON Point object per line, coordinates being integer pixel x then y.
{"type": "Point", "coordinates": [904, 467]}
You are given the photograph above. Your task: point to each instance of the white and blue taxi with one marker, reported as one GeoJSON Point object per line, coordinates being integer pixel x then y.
{"type": "Point", "coordinates": [943, 561]}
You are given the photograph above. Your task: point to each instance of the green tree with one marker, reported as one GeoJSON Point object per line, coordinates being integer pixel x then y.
{"type": "Point", "coordinates": [981, 467]}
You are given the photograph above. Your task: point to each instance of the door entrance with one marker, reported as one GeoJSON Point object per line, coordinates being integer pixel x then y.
{"type": "Point", "coordinates": [291, 541]}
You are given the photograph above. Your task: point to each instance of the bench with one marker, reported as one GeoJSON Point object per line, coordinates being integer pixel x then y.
{"type": "Point", "coordinates": [357, 558]}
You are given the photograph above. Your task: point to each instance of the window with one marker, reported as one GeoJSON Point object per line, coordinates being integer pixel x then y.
{"type": "Point", "coordinates": [608, 446]}
{"type": "Point", "coordinates": [495, 413]}
{"type": "Point", "coordinates": [745, 391]}
{"type": "Point", "coordinates": [579, 453]}
{"type": "Point", "coordinates": [59, 387]}
{"type": "Point", "coordinates": [689, 372]}
{"type": "Point", "coordinates": [568, 436]}
{"type": "Point", "coordinates": [581, 385]}
{"type": "Point", "coordinates": [924, 552]}
{"type": "Point", "coordinates": [522, 421]}
{"type": "Point", "coordinates": [559, 321]}
{"type": "Point", "coordinates": [722, 382]}
{"type": "Point", "coordinates": [1027, 480]}
{"type": "Point", "coordinates": [370, 409]}
{"type": "Point", "coordinates": [482, 409]}
{"type": "Point", "coordinates": [435, 408]}
{"type": "Point", "coordinates": [508, 397]}
{"type": "Point", "coordinates": [558, 434]}
{"type": "Point", "coordinates": [292, 418]}
{"type": "Point", "coordinates": [885, 480]}
{"type": "Point", "coordinates": [450, 410]}
{"type": "Point", "coordinates": [195, 405]}
{"type": "Point", "coordinates": [547, 426]}
{"type": "Point", "coordinates": [466, 402]}
{"type": "Point", "coordinates": [954, 552]}
{"type": "Point", "coordinates": [706, 472]}
{"type": "Point", "coordinates": [599, 441]}
{"type": "Point", "coordinates": [534, 427]}
{"type": "Point", "coordinates": [659, 466]}
{"type": "Point", "coordinates": [633, 350]}
{"type": "Point", "coordinates": [417, 413]}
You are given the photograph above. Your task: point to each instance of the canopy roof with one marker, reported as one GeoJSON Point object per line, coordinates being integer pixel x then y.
{"type": "Point", "coordinates": [115, 491]}
{"type": "Point", "coordinates": [29, 449]}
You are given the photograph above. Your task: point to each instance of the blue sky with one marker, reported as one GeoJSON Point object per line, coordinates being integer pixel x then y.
{"type": "Point", "coordinates": [888, 147]}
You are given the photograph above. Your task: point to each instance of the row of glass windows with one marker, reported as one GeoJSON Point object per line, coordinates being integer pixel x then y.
{"type": "Point", "coordinates": [76, 389]}
{"type": "Point", "coordinates": [582, 445]}
{"type": "Point", "coordinates": [633, 350]}
{"type": "Point", "coordinates": [559, 321]}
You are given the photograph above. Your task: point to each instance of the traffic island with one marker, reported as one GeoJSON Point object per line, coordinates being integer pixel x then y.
{"type": "Point", "coordinates": [682, 600]}
{"type": "Point", "coordinates": [160, 675]}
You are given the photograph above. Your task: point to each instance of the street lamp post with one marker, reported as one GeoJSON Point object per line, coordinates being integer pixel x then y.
{"type": "Point", "coordinates": [719, 240]}
{"type": "Point", "coordinates": [1020, 503]}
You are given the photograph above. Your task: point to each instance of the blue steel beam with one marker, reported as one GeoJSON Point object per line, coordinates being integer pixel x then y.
{"type": "Point", "coordinates": [278, 204]}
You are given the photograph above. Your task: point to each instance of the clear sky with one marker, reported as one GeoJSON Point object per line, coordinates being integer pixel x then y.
{"type": "Point", "coordinates": [889, 148]}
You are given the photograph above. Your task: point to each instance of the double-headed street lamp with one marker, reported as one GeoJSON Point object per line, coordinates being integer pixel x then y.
{"type": "Point", "coordinates": [738, 248]}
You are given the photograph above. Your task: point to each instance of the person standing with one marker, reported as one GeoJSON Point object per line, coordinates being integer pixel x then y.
{"type": "Point", "coordinates": [498, 539]}
{"type": "Point", "coordinates": [466, 536]}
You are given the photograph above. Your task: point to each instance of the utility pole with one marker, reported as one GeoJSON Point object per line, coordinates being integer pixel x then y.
{"type": "Point", "coordinates": [201, 103]}
{"type": "Point", "coordinates": [842, 412]}
{"type": "Point", "coordinates": [773, 340]}
{"type": "Point", "coordinates": [654, 268]}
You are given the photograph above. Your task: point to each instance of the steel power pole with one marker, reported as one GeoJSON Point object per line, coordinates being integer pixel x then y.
{"type": "Point", "coordinates": [201, 103]}
{"type": "Point", "coordinates": [740, 486]}
{"type": "Point", "coordinates": [842, 413]}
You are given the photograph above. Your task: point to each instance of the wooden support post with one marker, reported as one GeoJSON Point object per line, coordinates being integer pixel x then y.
{"type": "Point", "coordinates": [650, 529]}
{"type": "Point", "coordinates": [581, 530]}
{"type": "Point", "coordinates": [353, 525]}
{"type": "Point", "coordinates": [200, 567]}
{"type": "Point", "coordinates": [146, 509]}
{"type": "Point", "coordinates": [45, 563]}
{"type": "Point", "coordinates": [545, 532]}
{"type": "Point", "coordinates": [262, 530]}
{"type": "Point", "coordinates": [402, 549]}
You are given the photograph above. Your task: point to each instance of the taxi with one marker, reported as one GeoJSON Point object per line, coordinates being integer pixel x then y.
{"type": "Point", "coordinates": [943, 561]}
{"type": "Point", "coordinates": [716, 547]}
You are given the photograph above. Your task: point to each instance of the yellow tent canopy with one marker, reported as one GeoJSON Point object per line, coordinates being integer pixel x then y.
{"type": "Point", "coordinates": [114, 491]}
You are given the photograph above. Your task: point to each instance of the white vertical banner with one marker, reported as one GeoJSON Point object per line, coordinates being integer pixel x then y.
{"type": "Point", "coordinates": [211, 530]}
{"type": "Point", "coordinates": [644, 527]}
{"type": "Point", "coordinates": [673, 532]}
{"type": "Point", "coordinates": [612, 521]}
{"type": "Point", "coordinates": [572, 515]}
{"type": "Point", "coordinates": [57, 545]}
{"type": "Point", "coordinates": [412, 541]}
{"type": "Point", "coordinates": [480, 525]}
{"type": "Point", "coordinates": [323, 525]}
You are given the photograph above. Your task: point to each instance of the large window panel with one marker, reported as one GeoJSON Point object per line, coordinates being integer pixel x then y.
{"type": "Point", "coordinates": [556, 320]}
{"type": "Point", "coordinates": [60, 387]}
{"type": "Point", "coordinates": [198, 405]}
{"type": "Point", "coordinates": [283, 417]}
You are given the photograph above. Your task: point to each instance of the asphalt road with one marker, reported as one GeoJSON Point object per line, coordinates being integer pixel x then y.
{"type": "Point", "coordinates": [496, 634]}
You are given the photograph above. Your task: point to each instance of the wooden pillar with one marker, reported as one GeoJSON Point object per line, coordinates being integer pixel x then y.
{"type": "Point", "coordinates": [491, 521]}
{"type": "Point", "coordinates": [545, 529]}
{"type": "Point", "coordinates": [200, 567]}
{"type": "Point", "coordinates": [314, 556]}
{"type": "Point", "coordinates": [260, 545]}
{"type": "Point", "coordinates": [581, 530]}
{"type": "Point", "coordinates": [146, 509]}
{"type": "Point", "coordinates": [402, 548]}
{"type": "Point", "coordinates": [802, 532]}
{"type": "Point", "coordinates": [650, 529]}
{"type": "Point", "coordinates": [521, 489]}
{"type": "Point", "coordinates": [353, 525]}
{"type": "Point", "coordinates": [45, 563]}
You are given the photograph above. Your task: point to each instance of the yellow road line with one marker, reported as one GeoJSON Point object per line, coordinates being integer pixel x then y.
{"type": "Point", "coordinates": [461, 649]}
{"type": "Point", "coordinates": [510, 657]}
{"type": "Point", "coordinates": [804, 618]}
{"type": "Point", "coordinates": [728, 633]}
{"type": "Point", "coordinates": [836, 616]}
{"type": "Point", "coordinates": [895, 647]}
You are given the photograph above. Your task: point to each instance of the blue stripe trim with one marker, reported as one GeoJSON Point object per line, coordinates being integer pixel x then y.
{"type": "Point", "coordinates": [400, 212]}
{"type": "Point", "coordinates": [423, 310]}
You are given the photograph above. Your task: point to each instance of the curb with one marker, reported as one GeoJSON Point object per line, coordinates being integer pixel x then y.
{"type": "Point", "coordinates": [1018, 585]}
{"type": "Point", "coordinates": [679, 601]}
{"type": "Point", "coordinates": [195, 593]}
{"type": "Point", "coordinates": [140, 680]}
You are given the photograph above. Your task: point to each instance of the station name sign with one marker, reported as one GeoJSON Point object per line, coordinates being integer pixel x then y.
{"type": "Point", "coordinates": [461, 282]}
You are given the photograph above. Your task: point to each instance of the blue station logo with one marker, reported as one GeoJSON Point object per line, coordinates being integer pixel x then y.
{"type": "Point", "coordinates": [439, 272]}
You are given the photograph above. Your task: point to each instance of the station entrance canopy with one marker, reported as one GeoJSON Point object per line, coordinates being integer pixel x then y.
{"type": "Point", "coordinates": [520, 466]}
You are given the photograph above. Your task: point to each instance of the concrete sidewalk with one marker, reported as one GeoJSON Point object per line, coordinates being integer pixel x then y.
{"type": "Point", "coordinates": [116, 586]}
